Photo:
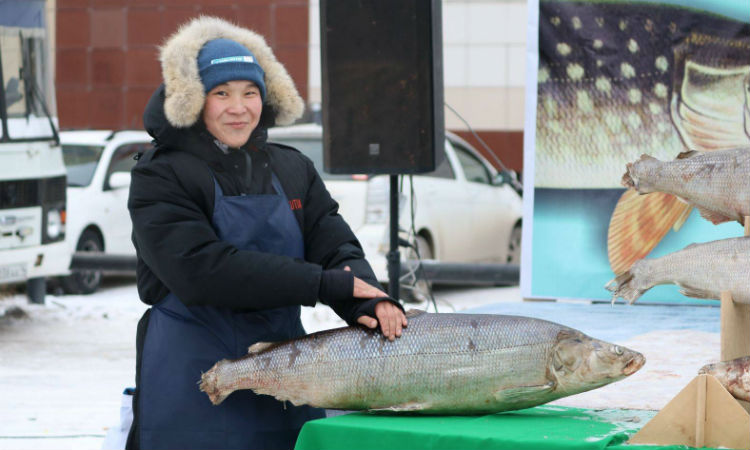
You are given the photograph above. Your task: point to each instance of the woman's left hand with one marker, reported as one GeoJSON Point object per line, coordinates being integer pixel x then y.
{"type": "Point", "coordinates": [392, 320]}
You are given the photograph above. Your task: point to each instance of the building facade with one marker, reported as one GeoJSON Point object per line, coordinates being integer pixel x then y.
{"type": "Point", "coordinates": [107, 51]}
{"type": "Point", "coordinates": [106, 54]}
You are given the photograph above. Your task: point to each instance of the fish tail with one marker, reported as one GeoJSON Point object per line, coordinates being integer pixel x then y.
{"type": "Point", "coordinates": [627, 179]}
{"type": "Point", "coordinates": [624, 286]}
{"type": "Point", "coordinates": [210, 385]}
{"type": "Point", "coordinates": [630, 178]}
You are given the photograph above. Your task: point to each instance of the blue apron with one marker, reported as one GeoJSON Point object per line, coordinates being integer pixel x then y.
{"type": "Point", "coordinates": [182, 342]}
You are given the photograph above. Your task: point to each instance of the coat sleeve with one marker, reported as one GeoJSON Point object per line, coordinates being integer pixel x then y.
{"type": "Point", "coordinates": [177, 242]}
{"type": "Point", "coordinates": [331, 243]}
{"type": "Point", "coordinates": [328, 239]}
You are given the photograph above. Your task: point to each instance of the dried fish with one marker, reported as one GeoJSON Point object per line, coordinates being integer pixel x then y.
{"type": "Point", "coordinates": [442, 364]}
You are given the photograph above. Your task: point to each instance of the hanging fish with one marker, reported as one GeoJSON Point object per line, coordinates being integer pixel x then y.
{"type": "Point", "coordinates": [734, 375]}
{"type": "Point", "coordinates": [717, 182]}
{"type": "Point", "coordinates": [700, 270]}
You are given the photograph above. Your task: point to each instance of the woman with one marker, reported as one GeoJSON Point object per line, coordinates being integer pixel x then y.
{"type": "Point", "coordinates": [233, 235]}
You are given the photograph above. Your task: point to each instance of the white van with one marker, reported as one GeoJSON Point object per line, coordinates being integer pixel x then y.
{"type": "Point", "coordinates": [98, 164]}
{"type": "Point", "coordinates": [32, 173]}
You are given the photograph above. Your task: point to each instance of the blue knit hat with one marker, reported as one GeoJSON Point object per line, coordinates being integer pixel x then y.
{"type": "Point", "coordinates": [222, 60]}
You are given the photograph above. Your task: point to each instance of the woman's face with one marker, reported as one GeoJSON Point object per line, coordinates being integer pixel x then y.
{"type": "Point", "coordinates": [232, 111]}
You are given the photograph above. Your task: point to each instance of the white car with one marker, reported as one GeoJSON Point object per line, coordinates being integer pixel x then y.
{"type": "Point", "coordinates": [98, 165]}
{"type": "Point", "coordinates": [465, 211]}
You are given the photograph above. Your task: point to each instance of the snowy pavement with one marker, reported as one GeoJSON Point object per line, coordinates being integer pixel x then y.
{"type": "Point", "coordinates": [63, 365]}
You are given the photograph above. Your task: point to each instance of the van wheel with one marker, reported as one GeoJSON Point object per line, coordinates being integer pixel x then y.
{"type": "Point", "coordinates": [36, 288]}
{"type": "Point", "coordinates": [87, 281]}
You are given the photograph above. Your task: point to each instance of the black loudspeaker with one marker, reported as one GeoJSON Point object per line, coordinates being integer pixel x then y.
{"type": "Point", "coordinates": [382, 86]}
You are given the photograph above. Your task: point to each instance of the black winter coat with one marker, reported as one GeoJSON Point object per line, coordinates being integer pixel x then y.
{"type": "Point", "coordinates": [171, 204]}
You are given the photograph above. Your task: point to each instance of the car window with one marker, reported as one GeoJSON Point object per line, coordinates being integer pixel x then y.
{"type": "Point", "coordinates": [122, 158]}
{"type": "Point", "coordinates": [313, 149]}
{"type": "Point", "coordinates": [80, 163]}
{"type": "Point", "coordinates": [443, 170]}
{"type": "Point", "coordinates": [474, 170]}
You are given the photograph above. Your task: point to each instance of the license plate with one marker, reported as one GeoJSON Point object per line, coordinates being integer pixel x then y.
{"type": "Point", "coordinates": [12, 272]}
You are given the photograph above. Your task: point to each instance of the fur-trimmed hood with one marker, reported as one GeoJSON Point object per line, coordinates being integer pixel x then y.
{"type": "Point", "coordinates": [183, 87]}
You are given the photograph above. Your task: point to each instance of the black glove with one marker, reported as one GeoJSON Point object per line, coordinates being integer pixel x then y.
{"type": "Point", "coordinates": [336, 289]}
{"type": "Point", "coordinates": [335, 285]}
{"type": "Point", "coordinates": [366, 307]}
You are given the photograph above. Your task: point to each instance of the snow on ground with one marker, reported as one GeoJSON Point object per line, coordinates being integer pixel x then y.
{"type": "Point", "coordinates": [63, 365]}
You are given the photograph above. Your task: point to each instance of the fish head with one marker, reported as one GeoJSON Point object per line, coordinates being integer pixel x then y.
{"type": "Point", "coordinates": [580, 363]}
{"type": "Point", "coordinates": [709, 369]}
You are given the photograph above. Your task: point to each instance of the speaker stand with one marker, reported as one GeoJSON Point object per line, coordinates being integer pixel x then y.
{"type": "Point", "coordinates": [394, 256]}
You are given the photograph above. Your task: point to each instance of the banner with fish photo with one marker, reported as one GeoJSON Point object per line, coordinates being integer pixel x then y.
{"type": "Point", "coordinates": [616, 80]}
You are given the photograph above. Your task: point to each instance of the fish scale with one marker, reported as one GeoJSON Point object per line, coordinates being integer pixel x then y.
{"type": "Point", "coordinates": [443, 363]}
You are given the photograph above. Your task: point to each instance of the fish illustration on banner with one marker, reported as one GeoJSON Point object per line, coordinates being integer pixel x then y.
{"type": "Point", "coordinates": [617, 80]}
{"type": "Point", "coordinates": [708, 105]}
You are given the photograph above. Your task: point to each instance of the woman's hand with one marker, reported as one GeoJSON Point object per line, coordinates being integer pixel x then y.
{"type": "Point", "coordinates": [391, 318]}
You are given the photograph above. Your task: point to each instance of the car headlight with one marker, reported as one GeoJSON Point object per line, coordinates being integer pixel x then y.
{"type": "Point", "coordinates": [54, 224]}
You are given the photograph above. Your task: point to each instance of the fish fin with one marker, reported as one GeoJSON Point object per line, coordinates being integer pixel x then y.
{"type": "Point", "coordinates": [688, 154]}
{"type": "Point", "coordinates": [403, 407]}
{"type": "Point", "coordinates": [682, 219]}
{"type": "Point", "coordinates": [210, 385]}
{"type": "Point", "coordinates": [693, 245]}
{"type": "Point", "coordinates": [414, 313]}
{"type": "Point", "coordinates": [618, 281]}
{"type": "Point", "coordinates": [259, 347]}
{"type": "Point", "coordinates": [568, 333]}
{"type": "Point", "coordinates": [521, 393]}
{"type": "Point", "coordinates": [713, 216]}
{"type": "Point", "coordinates": [689, 291]}
{"type": "Point", "coordinates": [624, 286]}
{"type": "Point", "coordinates": [627, 179]}
{"type": "Point", "coordinates": [638, 224]}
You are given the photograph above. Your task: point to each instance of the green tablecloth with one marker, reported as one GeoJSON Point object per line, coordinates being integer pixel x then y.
{"type": "Point", "coordinates": [543, 427]}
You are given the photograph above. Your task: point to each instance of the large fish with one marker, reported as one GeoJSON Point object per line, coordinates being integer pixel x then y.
{"type": "Point", "coordinates": [717, 182]}
{"type": "Point", "coordinates": [734, 375]}
{"type": "Point", "coordinates": [700, 270]}
{"type": "Point", "coordinates": [442, 364]}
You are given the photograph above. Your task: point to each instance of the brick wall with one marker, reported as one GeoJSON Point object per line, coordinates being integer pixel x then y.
{"type": "Point", "coordinates": [507, 145]}
{"type": "Point", "coordinates": [107, 59]}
